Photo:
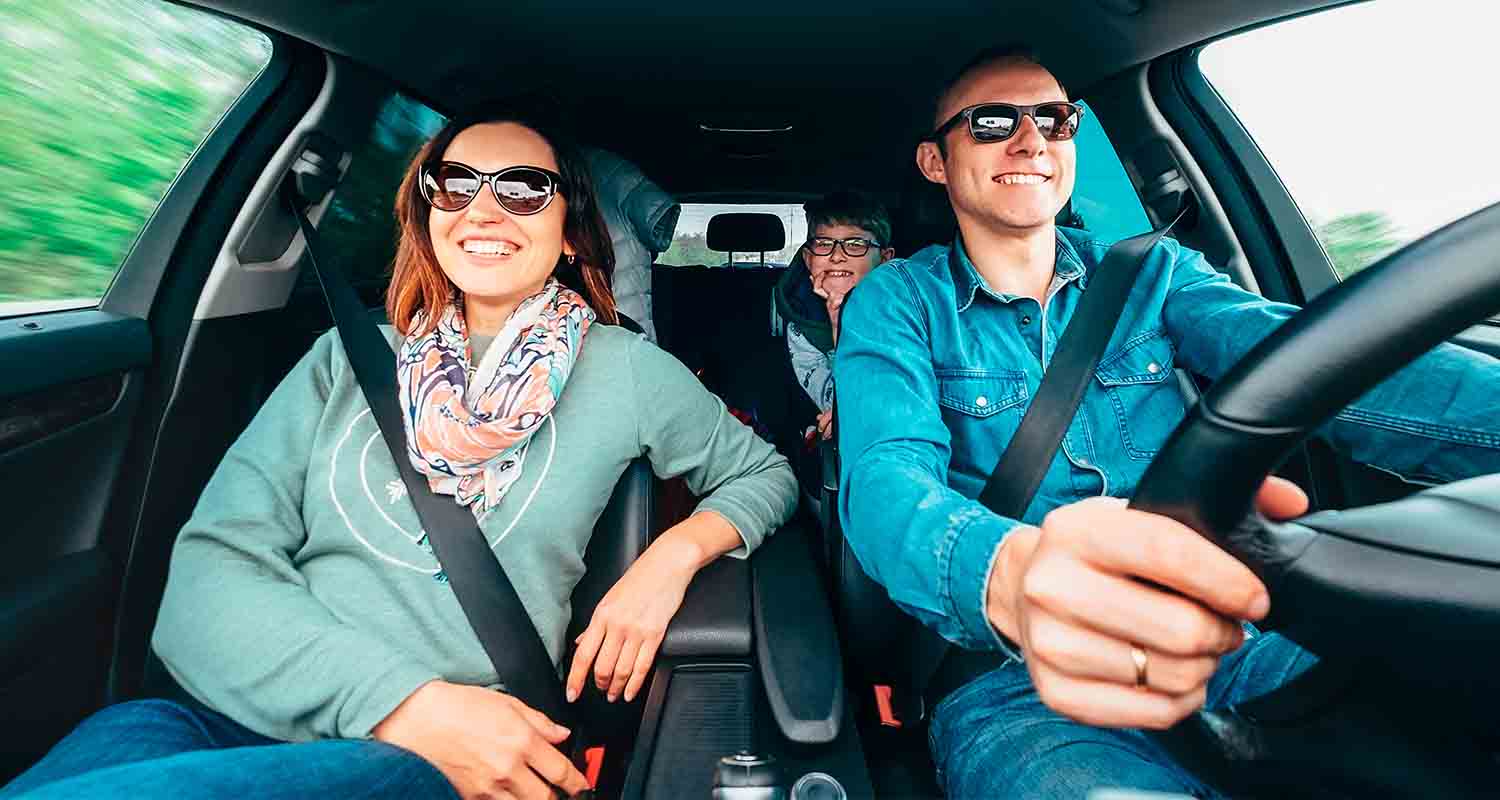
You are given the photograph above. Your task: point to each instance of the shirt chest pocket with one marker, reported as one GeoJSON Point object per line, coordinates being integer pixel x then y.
{"type": "Point", "coordinates": [1142, 393]}
{"type": "Point", "coordinates": [981, 393]}
{"type": "Point", "coordinates": [982, 410]}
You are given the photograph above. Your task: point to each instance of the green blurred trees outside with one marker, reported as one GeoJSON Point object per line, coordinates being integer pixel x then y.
{"type": "Point", "coordinates": [1355, 241]}
{"type": "Point", "coordinates": [101, 104]}
{"type": "Point", "coordinates": [691, 251]}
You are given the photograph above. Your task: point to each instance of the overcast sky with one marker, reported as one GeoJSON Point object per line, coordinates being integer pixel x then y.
{"type": "Point", "coordinates": [1385, 106]}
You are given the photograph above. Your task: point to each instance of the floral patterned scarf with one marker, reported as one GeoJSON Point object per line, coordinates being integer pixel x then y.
{"type": "Point", "coordinates": [468, 429]}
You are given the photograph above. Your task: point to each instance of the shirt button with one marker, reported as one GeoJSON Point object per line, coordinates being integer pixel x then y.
{"type": "Point", "coordinates": [1153, 368]}
{"type": "Point", "coordinates": [1083, 462]}
{"type": "Point", "coordinates": [981, 401]}
{"type": "Point", "coordinates": [1026, 320]}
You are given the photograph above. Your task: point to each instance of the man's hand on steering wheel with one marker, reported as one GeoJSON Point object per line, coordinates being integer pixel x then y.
{"type": "Point", "coordinates": [1103, 644]}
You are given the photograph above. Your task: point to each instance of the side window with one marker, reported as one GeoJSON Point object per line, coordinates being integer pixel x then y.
{"type": "Point", "coordinates": [1103, 196]}
{"type": "Point", "coordinates": [359, 230]}
{"type": "Point", "coordinates": [101, 106]}
{"type": "Point", "coordinates": [1373, 115]}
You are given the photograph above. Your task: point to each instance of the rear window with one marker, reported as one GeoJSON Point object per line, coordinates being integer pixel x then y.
{"type": "Point", "coordinates": [690, 244]}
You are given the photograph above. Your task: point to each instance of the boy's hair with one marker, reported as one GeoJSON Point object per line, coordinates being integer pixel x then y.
{"type": "Point", "coordinates": [850, 207]}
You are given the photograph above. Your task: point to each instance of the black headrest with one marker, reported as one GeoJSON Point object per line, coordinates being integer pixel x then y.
{"type": "Point", "coordinates": [741, 232]}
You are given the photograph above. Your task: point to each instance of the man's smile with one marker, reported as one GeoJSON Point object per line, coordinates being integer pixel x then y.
{"type": "Point", "coordinates": [1022, 178]}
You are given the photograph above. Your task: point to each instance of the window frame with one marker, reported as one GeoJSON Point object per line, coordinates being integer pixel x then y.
{"type": "Point", "coordinates": [133, 288]}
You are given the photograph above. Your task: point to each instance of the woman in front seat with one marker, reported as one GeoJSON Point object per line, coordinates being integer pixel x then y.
{"type": "Point", "coordinates": [305, 611]}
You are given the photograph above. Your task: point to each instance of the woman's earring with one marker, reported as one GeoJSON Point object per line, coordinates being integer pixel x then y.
{"type": "Point", "coordinates": [572, 258]}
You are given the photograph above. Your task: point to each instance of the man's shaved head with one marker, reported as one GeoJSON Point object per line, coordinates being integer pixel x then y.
{"type": "Point", "coordinates": [1000, 56]}
{"type": "Point", "coordinates": [1013, 184]}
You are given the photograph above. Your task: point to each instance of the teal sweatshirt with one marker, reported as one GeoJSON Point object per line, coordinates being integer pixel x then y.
{"type": "Point", "coordinates": [302, 600]}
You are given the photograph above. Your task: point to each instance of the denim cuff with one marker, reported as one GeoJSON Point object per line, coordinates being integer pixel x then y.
{"type": "Point", "coordinates": [974, 548]}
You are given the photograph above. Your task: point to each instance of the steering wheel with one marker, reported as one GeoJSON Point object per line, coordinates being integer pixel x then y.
{"type": "Point", "coordinates": [1400, 601]}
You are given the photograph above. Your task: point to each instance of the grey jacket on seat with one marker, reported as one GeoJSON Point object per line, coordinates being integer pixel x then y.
{"type": "Point", "coordinates": [641, 218]}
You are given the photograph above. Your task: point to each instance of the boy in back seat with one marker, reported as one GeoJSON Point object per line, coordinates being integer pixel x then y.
{"type": "Point", "coordinates": [849, 234]}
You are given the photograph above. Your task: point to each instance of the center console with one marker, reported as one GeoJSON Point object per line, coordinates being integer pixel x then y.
{"type": "Point", "coordinates": [748, 696]}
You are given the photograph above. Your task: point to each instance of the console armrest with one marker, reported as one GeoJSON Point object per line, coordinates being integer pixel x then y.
{"type": "Point", "coordinates": [796, 643]}
{"type": "Point", "coordinates": [715, 616]}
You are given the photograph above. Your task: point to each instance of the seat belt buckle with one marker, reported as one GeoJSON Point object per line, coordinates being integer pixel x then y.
{"type": "Point", "coordinates": [885, 708]}
{"type": "Point", "coordinates": [593, 761]}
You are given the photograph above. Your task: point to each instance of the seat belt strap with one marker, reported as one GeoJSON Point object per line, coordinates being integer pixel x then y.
{"type": "Point", "coordinates": [484, 591]}
{"type": "Point", "coordinates": [1011, 487]}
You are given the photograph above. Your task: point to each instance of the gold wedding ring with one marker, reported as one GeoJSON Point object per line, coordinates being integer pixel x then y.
{"type": "Point", "coordinates": [1139, 657]}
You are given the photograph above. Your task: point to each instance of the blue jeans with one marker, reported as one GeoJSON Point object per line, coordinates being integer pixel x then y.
{"type": "Point", "coordinates": [159, 748]}
{"type": "Point", "coordinates": [993, 737]}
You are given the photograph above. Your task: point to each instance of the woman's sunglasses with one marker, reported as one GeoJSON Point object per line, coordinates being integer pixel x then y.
{"type": "Point", "coordinates": [451, 186]}
{"type": "Point", "coordinates": [996, 122]}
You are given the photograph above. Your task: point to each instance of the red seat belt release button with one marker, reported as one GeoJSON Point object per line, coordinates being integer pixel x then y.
{"type": "Point", "coordinates": [593, 761]}
{"type": "Point", "coordinates": [884, 708]}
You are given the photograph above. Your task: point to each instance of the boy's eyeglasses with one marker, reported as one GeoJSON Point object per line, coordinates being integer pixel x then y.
{"type": "Point", "coordinates": [853, 248]}
{"type": "Point", "coordinates": [996, 122]}
{"type": "Point", "coordinates": [452, 186]}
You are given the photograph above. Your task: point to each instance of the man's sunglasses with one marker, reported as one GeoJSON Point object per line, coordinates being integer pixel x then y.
{"type": "Point", "coordinates": [853, 248]}
{"type": "Point", "coordinates": [996, 122]}
{"type": "Point", "coordinates": [452, 186]}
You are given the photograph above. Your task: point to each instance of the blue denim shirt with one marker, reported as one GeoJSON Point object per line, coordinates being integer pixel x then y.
{"type": "Point", "coordinates": [935, 370]}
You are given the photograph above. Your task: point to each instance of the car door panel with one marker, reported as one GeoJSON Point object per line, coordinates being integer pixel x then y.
{"type": "Point", "coordinates": [84, 390]}
{"type": "Point", "coordinates": [55, 625]}
{"type": "Point", "coordinates": [67, 408]}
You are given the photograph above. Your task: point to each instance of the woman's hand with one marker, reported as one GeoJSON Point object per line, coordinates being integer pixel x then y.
{"type": "Point", "coordinates": [627, 628]}
{"type": "Point", "coordinates": [629, 623]}
{"type": "Point", "coordinates": [487, 744]}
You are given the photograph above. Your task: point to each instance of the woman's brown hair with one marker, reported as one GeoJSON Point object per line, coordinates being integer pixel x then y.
{"type": "Point", "coordinates": [418, 285]}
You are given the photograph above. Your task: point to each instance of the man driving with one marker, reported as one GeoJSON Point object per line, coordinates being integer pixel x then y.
{"type": "Point", "coordinates": [1084, 621]}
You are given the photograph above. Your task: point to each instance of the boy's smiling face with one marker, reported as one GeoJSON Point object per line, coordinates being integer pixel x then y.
{"type": "Point", "coordinates": [837, 272]}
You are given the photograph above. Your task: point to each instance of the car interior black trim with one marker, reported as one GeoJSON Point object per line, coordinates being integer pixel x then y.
{"type": "Point", "coordinates": [54, 633]}
{"type": "Point", "coordinates": [33, 417]}
{"type": "Point", "coordinates": [101, 343]}
{"type": "Point", "coordinates": [796, 641]}
{"type": "Point", "coordinates": [714, 618]}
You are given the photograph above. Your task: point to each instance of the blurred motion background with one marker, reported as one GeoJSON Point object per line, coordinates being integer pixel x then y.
{"type": "Point", "coordinates": [134, 88]}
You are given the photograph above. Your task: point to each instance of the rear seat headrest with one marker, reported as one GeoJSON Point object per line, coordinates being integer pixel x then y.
{"type": "Point", "coordinates": [742, 232]}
